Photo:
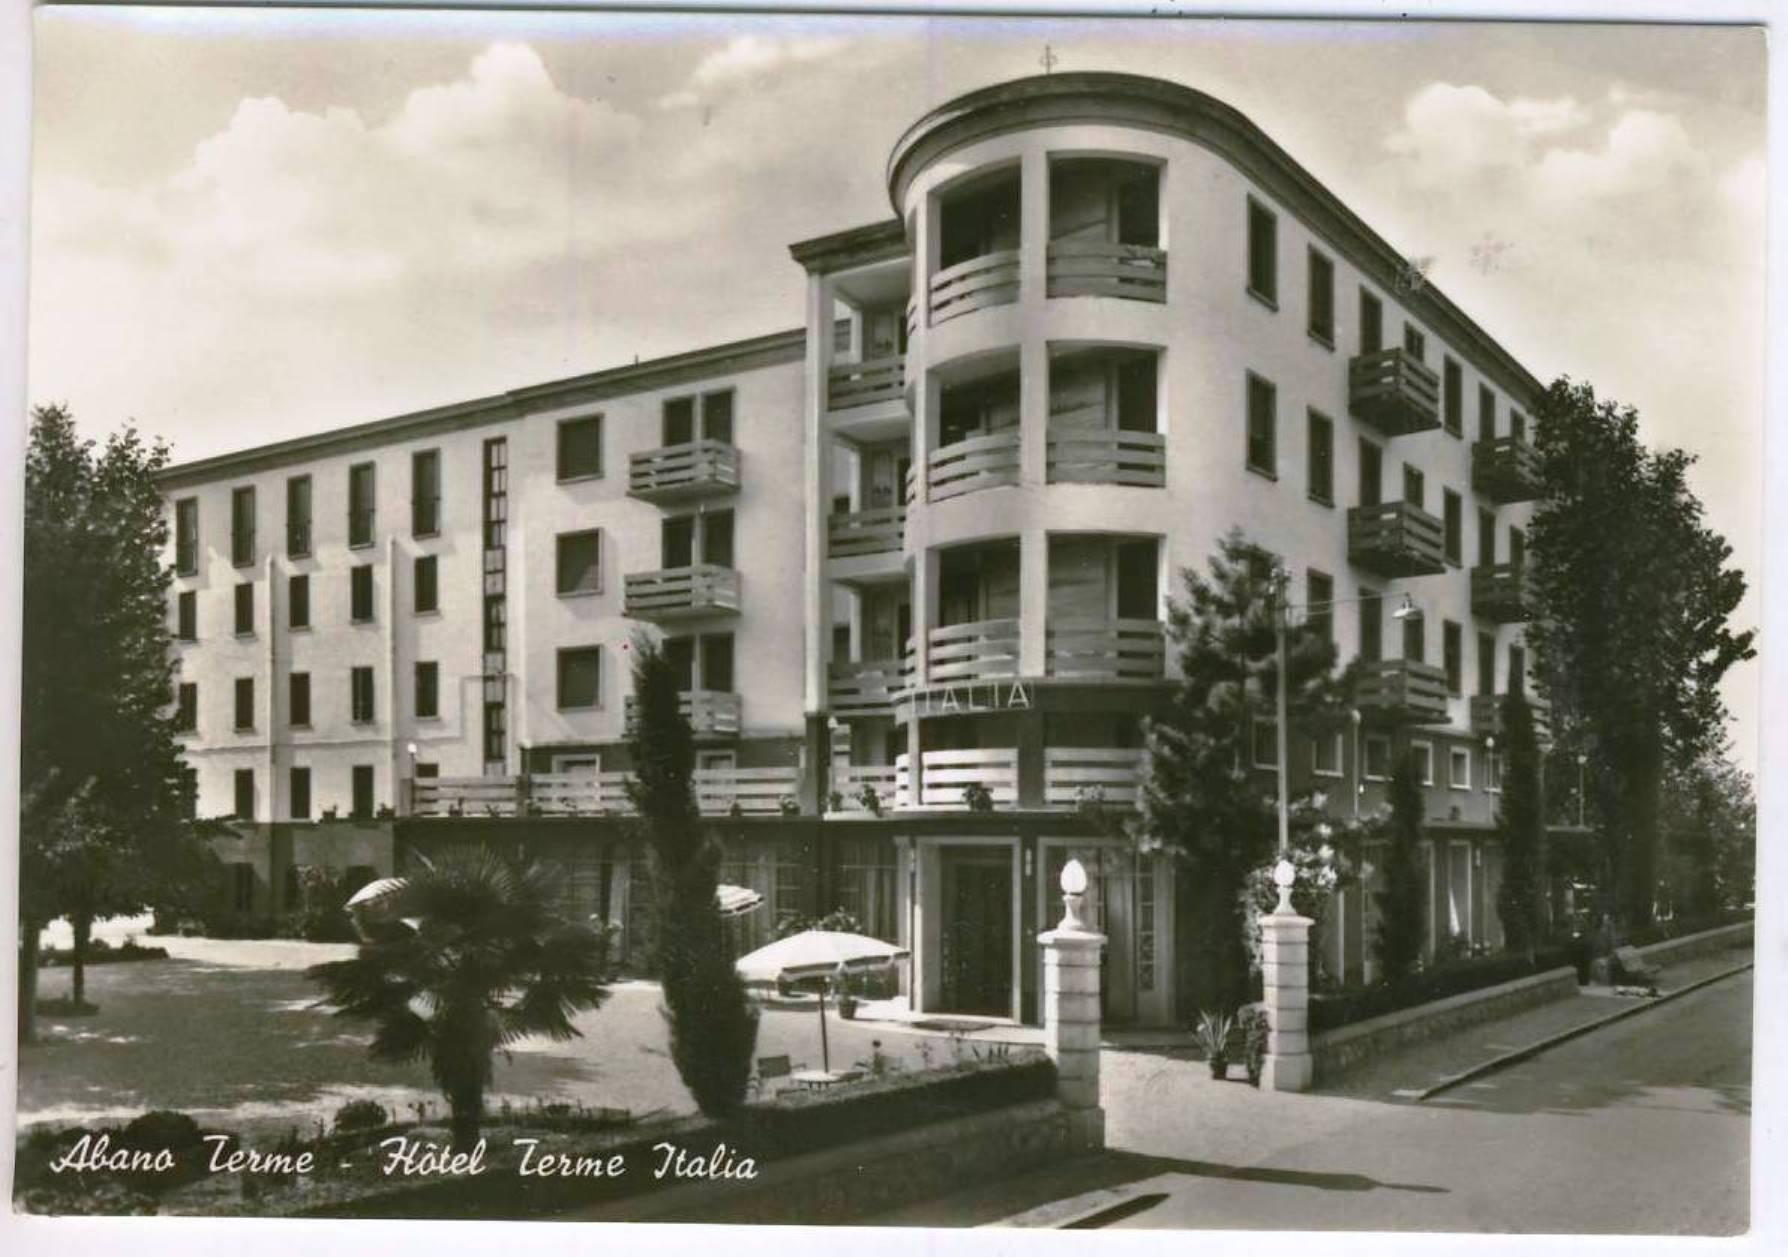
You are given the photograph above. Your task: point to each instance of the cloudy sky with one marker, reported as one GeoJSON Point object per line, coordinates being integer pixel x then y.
{"type": "Point", "coordinates": [253, 226]}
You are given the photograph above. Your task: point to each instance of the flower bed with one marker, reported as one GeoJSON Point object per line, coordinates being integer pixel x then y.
{"type": "Point", "coordinates": [1342, 1008]}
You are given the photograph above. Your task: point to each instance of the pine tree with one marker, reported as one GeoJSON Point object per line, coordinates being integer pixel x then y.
{"type": "Point", "coordinates": [1519, 829]}
{"type": "Point", "coordinates": [1399, 940]}
{"type": "Point", "coordinates": [713, 1026]}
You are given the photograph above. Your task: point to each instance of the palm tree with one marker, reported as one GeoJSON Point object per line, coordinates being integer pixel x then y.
{"type": "Point", "coordinates": [473, 957]}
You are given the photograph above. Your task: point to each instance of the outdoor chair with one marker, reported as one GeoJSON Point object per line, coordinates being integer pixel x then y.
{"type": "Point", "coordinates": [769, 1069]}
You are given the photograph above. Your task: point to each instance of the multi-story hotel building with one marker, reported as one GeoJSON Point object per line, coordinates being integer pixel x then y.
{"type": "Point", "coordinates": [912, 559]}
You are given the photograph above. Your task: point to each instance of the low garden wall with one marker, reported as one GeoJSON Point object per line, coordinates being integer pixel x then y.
{"type": "Point", "coordinates": [1672, 950]}
{"type": "Point", "coordinates": [1342, 1049]}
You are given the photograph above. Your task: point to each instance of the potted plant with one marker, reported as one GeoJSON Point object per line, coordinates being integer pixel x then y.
{"type": "Point", "coordinates": [847, 1000]}
{"type": "Point", "coordinates": [871, 801]}
{"type": "Point", "coordinates": [1213, 1038]}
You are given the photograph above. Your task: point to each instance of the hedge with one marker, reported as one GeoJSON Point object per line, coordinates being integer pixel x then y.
{"type": "Point", "coordinates": [1343, 1008]}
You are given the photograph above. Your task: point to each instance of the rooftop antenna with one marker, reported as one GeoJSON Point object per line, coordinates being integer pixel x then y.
{"type": "Point", "coordinates": [1048, 59]}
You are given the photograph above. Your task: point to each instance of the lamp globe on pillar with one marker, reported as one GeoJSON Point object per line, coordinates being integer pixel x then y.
{"type": "Point", "coordinates": [1073, 895]}
{"type": "Point", "coordinates": [1285, 876]}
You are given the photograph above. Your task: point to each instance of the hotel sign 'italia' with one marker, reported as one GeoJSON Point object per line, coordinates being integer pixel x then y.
{"type": "Point", "coordinates": [973, 696]}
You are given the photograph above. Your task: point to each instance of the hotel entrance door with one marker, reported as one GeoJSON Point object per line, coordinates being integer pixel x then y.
{"type": "Point", "coordinates": [977, 930]}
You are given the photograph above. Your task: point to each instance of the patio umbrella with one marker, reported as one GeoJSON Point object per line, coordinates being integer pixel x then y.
{"type": "Point", "coordinates": [825, 954]}
{"type": "Point", "coordinates": [736, 901]}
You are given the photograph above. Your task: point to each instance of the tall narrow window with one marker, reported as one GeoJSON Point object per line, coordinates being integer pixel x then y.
{"type": "Point", "coordinates": [300, 794]}
{"type": "Point", "coordinates": [245, 608]}
{"type": "Point", "coordinates": [1371, 627]}
{"type": "Point", "coordinates": [1452, 653]}
{"type": "Point", "coordinates": [1486, 663]}
{"type": "Point", "coordinates": [297, 517]}
{"type": "Point", "coordinates": [298, 601]}
{"type": "Point", "coordinates": [1262, 440]}
{"type": "Point", "coordinates": [1321, 456]}
{"type": "Point", "coordinates": [580, 448]}
{"type": "Point", "coordinates": [1371, 473]}
{"type": "Point", "coordinates": [1517, 670]}
{"type": "Point", "coordinates": [360, 593]}
{"type": "Point", "coordinates": [580, 677]}
{"type": "Point", "coordinates": [1453, 513]}
{"type": "Point", "coordinates": [186, 707]}
{"type": "Point", "coordinates": [363, 792]}
{"type": "Point", "coordinates": [717, 538]}
{"type": "Point", "coordinates": [1319, 590]}
{"type": "Point", "coordinates": [1486, 538]}
{"type": "Point", "coordinates": [1517, 547]}
{"type": "Point", "coordinates": [361, 504]}
{"type": "Point", "coordinates": [186, 616]}
{"type": "Point", "coordinates": [245, 702]}
{"type": "Point", "coordinates": [298, 687]}
{"type": "Point", "coordinates": [1453, 398]}
{"type": "Point", "coordinates": [360, 695]}
{"type": "Point", "coordinates": [1371, 323]}
{"type": "Point", "coordinates": [186, 536]}
{"type": "Point", "coordinates": [1322, 298]}
{"type": "Point", "coordinates": [245, 797]}
{"type": "Point", "coordinates": [1486, 413]}
{"type": "Point", "coordinates": [717, 416]}
{"type": "Point", "coordinates": [426, 585]}
{"type": "Point", "coordinates": [1517, 425]}
{"type": "Point", "coordinates": [428, 690]}
{"type": "Point", "coordinates": [425, 493]}
{"type": "Point", "coordinates": [242, 526]}
{"type": "Point", "coordinates": [1415, 646]}
{"type": "Point", "coordinates": [1415, 485]}
{"type": "Point", "coordinates": [1263, 252]}
{"type": "Point", "coordinates": [677, 417]}
{"type": "Point", "coordinates": [1415, 344]}
{"type": "Point", "coordinates": [717, 661]}
{"type": "Point", "coordinates": [579, 562]}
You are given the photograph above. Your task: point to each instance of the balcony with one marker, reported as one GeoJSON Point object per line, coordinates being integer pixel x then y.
{"type": "Point", "coordinates": [1486, 716]}
{"type": "Point", "coordinates": [682, 593]}
{"type": "Point", "coordinates": [1506, 470]}
{"type": "Point", "coordinates": [710, 713]}
{"type": "Point", "coordinates": [980, 462]}
{"type": "Point", "coordinates": [947, 775]}
{"type": "Point", "coordinates": [1099, 269]}
{"type": "Point", "coordinates": [866, 383]}
{"type": "Point", "coordinates": [982, 650]}
{"type": "Point", "coordinates": [718, 792]}
{"type": "Point", "coordinates": [1108, 456]}
{"type": "Point", "coordinates": [870, 688]}
{"type": "Point", "coordinates": [1401, 691]}
{"type": "Point", "coordinates": [1500, 593]}
{"type": "Point", "coordinates": [887, 780]}
{"type": "Point", "coordinates": [1395, 539]}
{"type": "Point", "coordinates": [682, 473]}
{"type": "Point", "coordinates": [1394, 392]}
{"type": "Point", "coordinates": [988, 280]}
{"type": "Point", "coordinates": [1105, 650]}
{"type": "Point", "coordinates": [1073, 776]}
{"type": "Point", "coordinates": [858, 533]}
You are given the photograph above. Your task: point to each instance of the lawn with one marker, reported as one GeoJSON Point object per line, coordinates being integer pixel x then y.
{"type": "Point", "coordinates": [227, 1033]}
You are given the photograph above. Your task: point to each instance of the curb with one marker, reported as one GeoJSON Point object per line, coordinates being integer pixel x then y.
{"type": "Point", "coordinates": [1534, 1049]}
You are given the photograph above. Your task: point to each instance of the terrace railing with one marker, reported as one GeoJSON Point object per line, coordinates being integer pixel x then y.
{"type": "Point", "coordinates": [1105, 650]}
{"type": "Point", "coordinates": [980, 462]}
{"type": "Point", "coordinates": [1394, 391]}
{"type": "Point", "coordinates": [1076, 775]}
{"type": "Point", "coordinates": [1107, 456]}
{"type": "Point", "coordinates": [981, 650]}
{"type": "Point", "coordinates": [1396, 539]}
{"type": "Point", "coordinates": [681, 593]}
{"type": "Point", "coordinates": [676, 473]}
{"type": "Point", "coordinates": [1099, 269]}
{"type": "Point", "coordinates": [946, 775]}
{"type": "Point", "coordinates": [850, 384]}
{"type": "Point", "coordinates": [857, 533]}
{"type": "Point", "coordinates": [988, 280]}
{"type": "Point", "coordinates": [868, 688]}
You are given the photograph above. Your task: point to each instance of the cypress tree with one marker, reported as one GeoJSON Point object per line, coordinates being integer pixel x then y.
{"type": "Point", "coordinates": [1399, 939]}
{"type": "Point", "coordinates": [1518, 827]}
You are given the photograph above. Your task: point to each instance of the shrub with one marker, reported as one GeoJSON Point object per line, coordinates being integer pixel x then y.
{"type": "Point", "coordinates": [360, 1115]}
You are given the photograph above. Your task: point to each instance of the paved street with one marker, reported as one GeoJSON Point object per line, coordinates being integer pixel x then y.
{"type": "Point", "coordinates": [1639, 1127]}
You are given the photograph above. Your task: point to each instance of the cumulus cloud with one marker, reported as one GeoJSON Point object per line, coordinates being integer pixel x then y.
{"type": "Point", "coordinates": [742, 62]}
{"type": "Point", "coordinates": [1451, 131]}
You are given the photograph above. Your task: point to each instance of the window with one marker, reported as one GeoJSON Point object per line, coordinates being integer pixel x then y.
{"type": "Point", "coordinates": [245, 702]}
{"type": "Point", "coordinates": [1486, 663]}
{"type": "Point", "coordinates": [245, 608]}
{"type": "Point", "coordinates": [1423, 753]}
{"type": "Point", "coordinates": [1325, 754]}
{"type": "Point", "coordinates": [1414, 343]}
{"type": "Point", "coordinates": [1459, 768]}
{"type": "Point", "coordinates": [1517, 425]}
{"type": "Point", "coordinates": [1453, 514]}
{"type": "Point", "coordinates": [1517, 547]}
{"type": "Point", "coordinates": [298, 601]}
{"type": "Point", "coordinates": [1321, 450]}
{"type": "Point", "coordinates": [1414, 638]}
{"type": "Point", "coordinates": [427, 771]}
{"type": "Point", "coordinates": [709, 417]}
{"type": "Point", "coordinates": [1319, 595]}
{"type": "Point", "coordinates": [496, 624]}
{"type": "Point", "coordinates": [1377, 755]}
{"type": "Point", "coordinates": [428, 690]}
{"type": "Point", "coordinates": [1493, 771]}
{"type": "Point", "coordinates": [186, 616]}
{"type": "Point", "coordinates": [299, 693]}
{"type": "Point", "coordinates": [245, 798]}
{"type": "Point", "coordinates": [425, 587]}
{"type": "Point", "coordinates": [425, 493]}
{"type": "Point", "coordinates": [1517, 670]}
{"type": "Point", "coordinates": [579, 563]}
{"type": "Point", "coordinates": [1265, 739]}
{"type": "Point", "coordinates": [1453, 398]}
{"type": "Point", "coordinates": [580, 448]}
{"type": "Point", "coordinates": [1415, 485]}
{"type": "Point", "coordinates": [1371, 323]}
{"type": "Point", "coordinates": [717, 662]}
{"type": "Point", "coordinates": [717, 416]}
{"type": "Point", "coordinates": [1322, 298]}
{"type": "Point", "coordinates": [1486, 413]}
{"type": "Point", "coordinates": [1262, 441]}
{"type": "Point", "coordinates": [186, 707]}
{"type": "Point", "coordinates": [242, 526]}
{"type": "Point", "coordinates": [1263, 253]}
{"type": "Point", "coordinates": [580, 677]}
{"type": "Point", "coordinates": [360, 695]}
{"type": "Point", "coordinates": [360, 591]}
{"type": "Point", "coordinates": [361, 504]}
{"type": "Point", "coordinates": [300, 794]}
{"type": "Point", "coordinates": [297, 517]}
{"type": "Point", "coordinates": [1452, 653]}
{"type": "Point", "coordinates": [186, 536]}
{"type": "Point", "coordinates": [363, 791]}
{"type": "Point", "coordinates": [1371, 627]}
{"type": "Point", "coordinates": [1486, 538]}
{"type": "Point", "coordinates": [1371, 473]}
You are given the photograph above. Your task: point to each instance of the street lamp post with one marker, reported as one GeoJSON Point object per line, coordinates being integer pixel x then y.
{"type": "Point", "coordinates": [1582, 760]}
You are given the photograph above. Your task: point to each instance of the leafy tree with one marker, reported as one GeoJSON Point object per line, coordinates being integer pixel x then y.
{"type": "Point", "coordinates": [1520, 829]}
{"type": "Point", "coordinates": [1200, 800]}
{"type": "Point", "coordinates": [1398, 942]}
{"type": "Point", "coordinates": [713, 1026]}
{"type": "Point", "coordinates": [1709, 821]}
{"type": "Point", "coordinates": [101, 826]}
{"type": "Point", "coordinates": [489, 961]}
{"type": "Point", "coordinates": [1633, 598]}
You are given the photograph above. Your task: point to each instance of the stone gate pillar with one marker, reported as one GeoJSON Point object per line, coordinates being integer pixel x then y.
{"type": "Point", "coordinates": [1285, 977]}
{"type": "Point", "coordinates": [1071, 1028]}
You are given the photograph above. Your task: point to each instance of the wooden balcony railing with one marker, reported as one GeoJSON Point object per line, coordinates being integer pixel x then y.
{"type": "Point", "coordinates": [946, 775]}
{"type": "Point", "coordinates": [676, 473]}
{"type": "Point", "coordinates": [870, 688]}
{"type": "Point", "coordinates": [988, 280]}
{"type": "Point", "coordinates": [1506, 470]}
{"type": "Point", "coordinates": [1098, 269]}
{"type": "Point", "coordinates": [887, 780]}
{"type": "Point", "coordinates": [851, 384]}
{"type": "Point", "coordinates": [718, 792]}
{"type": "Point", "coordinates": [982, 650]}
{"type": "Point", "coordinates": [880, 531]}
{"type": "Point", "coordinates": [1401, 691]}
{"type": "Point", "coordinates": [746, 791]}
{"type": "Point", "coordinates": [1104, 650]}
{"type": "Point", "coordinates": [1394, 392]}
{"type": "Point", "coordinates": [1107, 456]}
{"type": "Point", "coordinates": [681, 593]}
{"type": "Point", "coordinates": [1396, 539]}
{"type": "Point", "coordinates": [1500, 593]}
{"type": "Point", "coordinates": [710, 713]}
{"type": "Point", "coordinates": [1076, 775]}
{"type": "Point", "coordinates": [980, 462]}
